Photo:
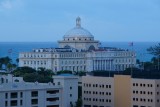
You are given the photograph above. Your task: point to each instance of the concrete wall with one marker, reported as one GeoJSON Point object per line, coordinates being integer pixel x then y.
{"type": "Point", "coordinates": [122, 90]}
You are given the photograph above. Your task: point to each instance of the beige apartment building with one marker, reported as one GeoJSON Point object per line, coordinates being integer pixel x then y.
{"type": "Point", "coordinates": [120, 91]}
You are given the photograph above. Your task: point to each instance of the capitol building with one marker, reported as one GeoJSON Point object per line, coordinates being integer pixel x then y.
{"type": "Point", "coordinates": [78, 51]}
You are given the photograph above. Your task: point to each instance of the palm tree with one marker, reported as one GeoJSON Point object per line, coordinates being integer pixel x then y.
{"type": "Point", "coordinates": [5, 61]}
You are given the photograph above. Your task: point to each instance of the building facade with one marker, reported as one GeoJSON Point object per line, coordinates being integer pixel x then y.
{"type": "Point", "coordinates": [78, 51]}
{"type": "Point", "coordinates": [97, 91]}
{"type": "Point", "coordinates": [120, 91]}
{"type": "Point", "coordinates": [61, 93]}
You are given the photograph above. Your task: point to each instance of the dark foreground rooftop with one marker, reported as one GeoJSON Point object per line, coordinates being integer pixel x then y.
{"type": "Point", "coordinates": [135, 73]}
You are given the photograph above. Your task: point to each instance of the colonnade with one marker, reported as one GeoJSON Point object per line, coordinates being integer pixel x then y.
{"type": "Point", "coordinates": [106, 64]}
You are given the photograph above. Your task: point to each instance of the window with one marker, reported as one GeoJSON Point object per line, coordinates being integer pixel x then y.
{"type": "Point", "coordinates": [53, 99]}
{"type": "Point", "coordinates": [144, 85]}
{"type": "Point", "coordinates": [16, 80]}
{"type": "Point", "coordinates": [106, 100]}
{"type": "Point", "coordinates": [133, 84]}
{"type": "Point", "coordinates": [144, 100]}
{"type": "Point", "coordinates": [21, 94]}
{"type": "Point", "coordinates": [6, 103]}
{"type": "Point", "coordinates": [14, 95]}
{"type": "Point", "coordinates": [102, 86]}
{"type": "Point", "coordinates": [21, 102]}
{"type": "Point", "coordinates": [70, 88]}
{"type": "Point", "coordinates": [106, 93]}
{"type": "Point", "coordinates": [34, 101]}
{"type": "Point", "coordinates": [96, 85]}
{"type": "Point", "coordinates": [6, 95]}
{"type": "Point", "coordinates": [70, 95]}
{"type": "Point", "coordinates": [59, 83]}
{"type": "Point", "coordinates": [34, 94]}
{"type": "Point", "coordinates": [14, 103]}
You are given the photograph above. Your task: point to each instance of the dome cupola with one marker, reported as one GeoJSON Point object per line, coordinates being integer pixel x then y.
{"type": "Point", "coordinates": [78, 31]}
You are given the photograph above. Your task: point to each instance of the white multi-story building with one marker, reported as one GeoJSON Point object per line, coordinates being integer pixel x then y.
{"type": "Point", "coordinates": [78, 51]}
{"type": "Point", "coordinates": [9, 78]}
{"type": "Point", "coordinates": [61, 93]}
{"type": "Point", "coordinates": [120, 91]}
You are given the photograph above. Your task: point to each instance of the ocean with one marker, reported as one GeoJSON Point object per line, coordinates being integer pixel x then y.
{"type": "Point", "coordinates": [12, 49]}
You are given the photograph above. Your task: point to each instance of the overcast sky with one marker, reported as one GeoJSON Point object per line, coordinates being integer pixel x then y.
{"type": "Point", "coordinates": [107, 20]}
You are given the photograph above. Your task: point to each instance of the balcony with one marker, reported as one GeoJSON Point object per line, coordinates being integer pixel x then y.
{"type": "Point", "coordinates": [52, 102]}
{"type": "Point", "coordinates": [48, 95]}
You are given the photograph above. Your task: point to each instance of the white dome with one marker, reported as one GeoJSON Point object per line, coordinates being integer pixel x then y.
{"type": "Point", "coordinates": [78, 31]}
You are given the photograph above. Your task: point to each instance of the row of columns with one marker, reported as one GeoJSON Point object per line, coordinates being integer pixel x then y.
{"type": "Point", "coordinates": [103, 65]}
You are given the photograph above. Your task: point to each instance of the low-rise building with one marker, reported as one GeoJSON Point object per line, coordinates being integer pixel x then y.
{"type": "Point", "coordinates": [61, 93]}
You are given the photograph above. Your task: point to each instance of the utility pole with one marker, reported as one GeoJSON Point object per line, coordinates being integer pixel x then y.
{"type": "Point", "coordinates": [158, 61]}
{"type": "Point", "coordinates": [132, 59]}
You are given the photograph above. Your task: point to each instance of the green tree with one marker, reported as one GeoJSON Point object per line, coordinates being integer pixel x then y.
{"type": "Point", "coordinates": [64, 72]}
{"type": "Point", "coordinates": [21, 71]}
{"type": "Point", "coordinates": [5, 61]}
{"type": "Point", "coordinates": [30, 77]}
{"type": "Point", "coordinates": [79, 102]}
{"type": "Point", "coordinates": [155, 50]}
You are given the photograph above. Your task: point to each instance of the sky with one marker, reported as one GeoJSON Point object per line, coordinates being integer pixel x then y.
{"type": "Point", "coordinates": [107, 20]}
